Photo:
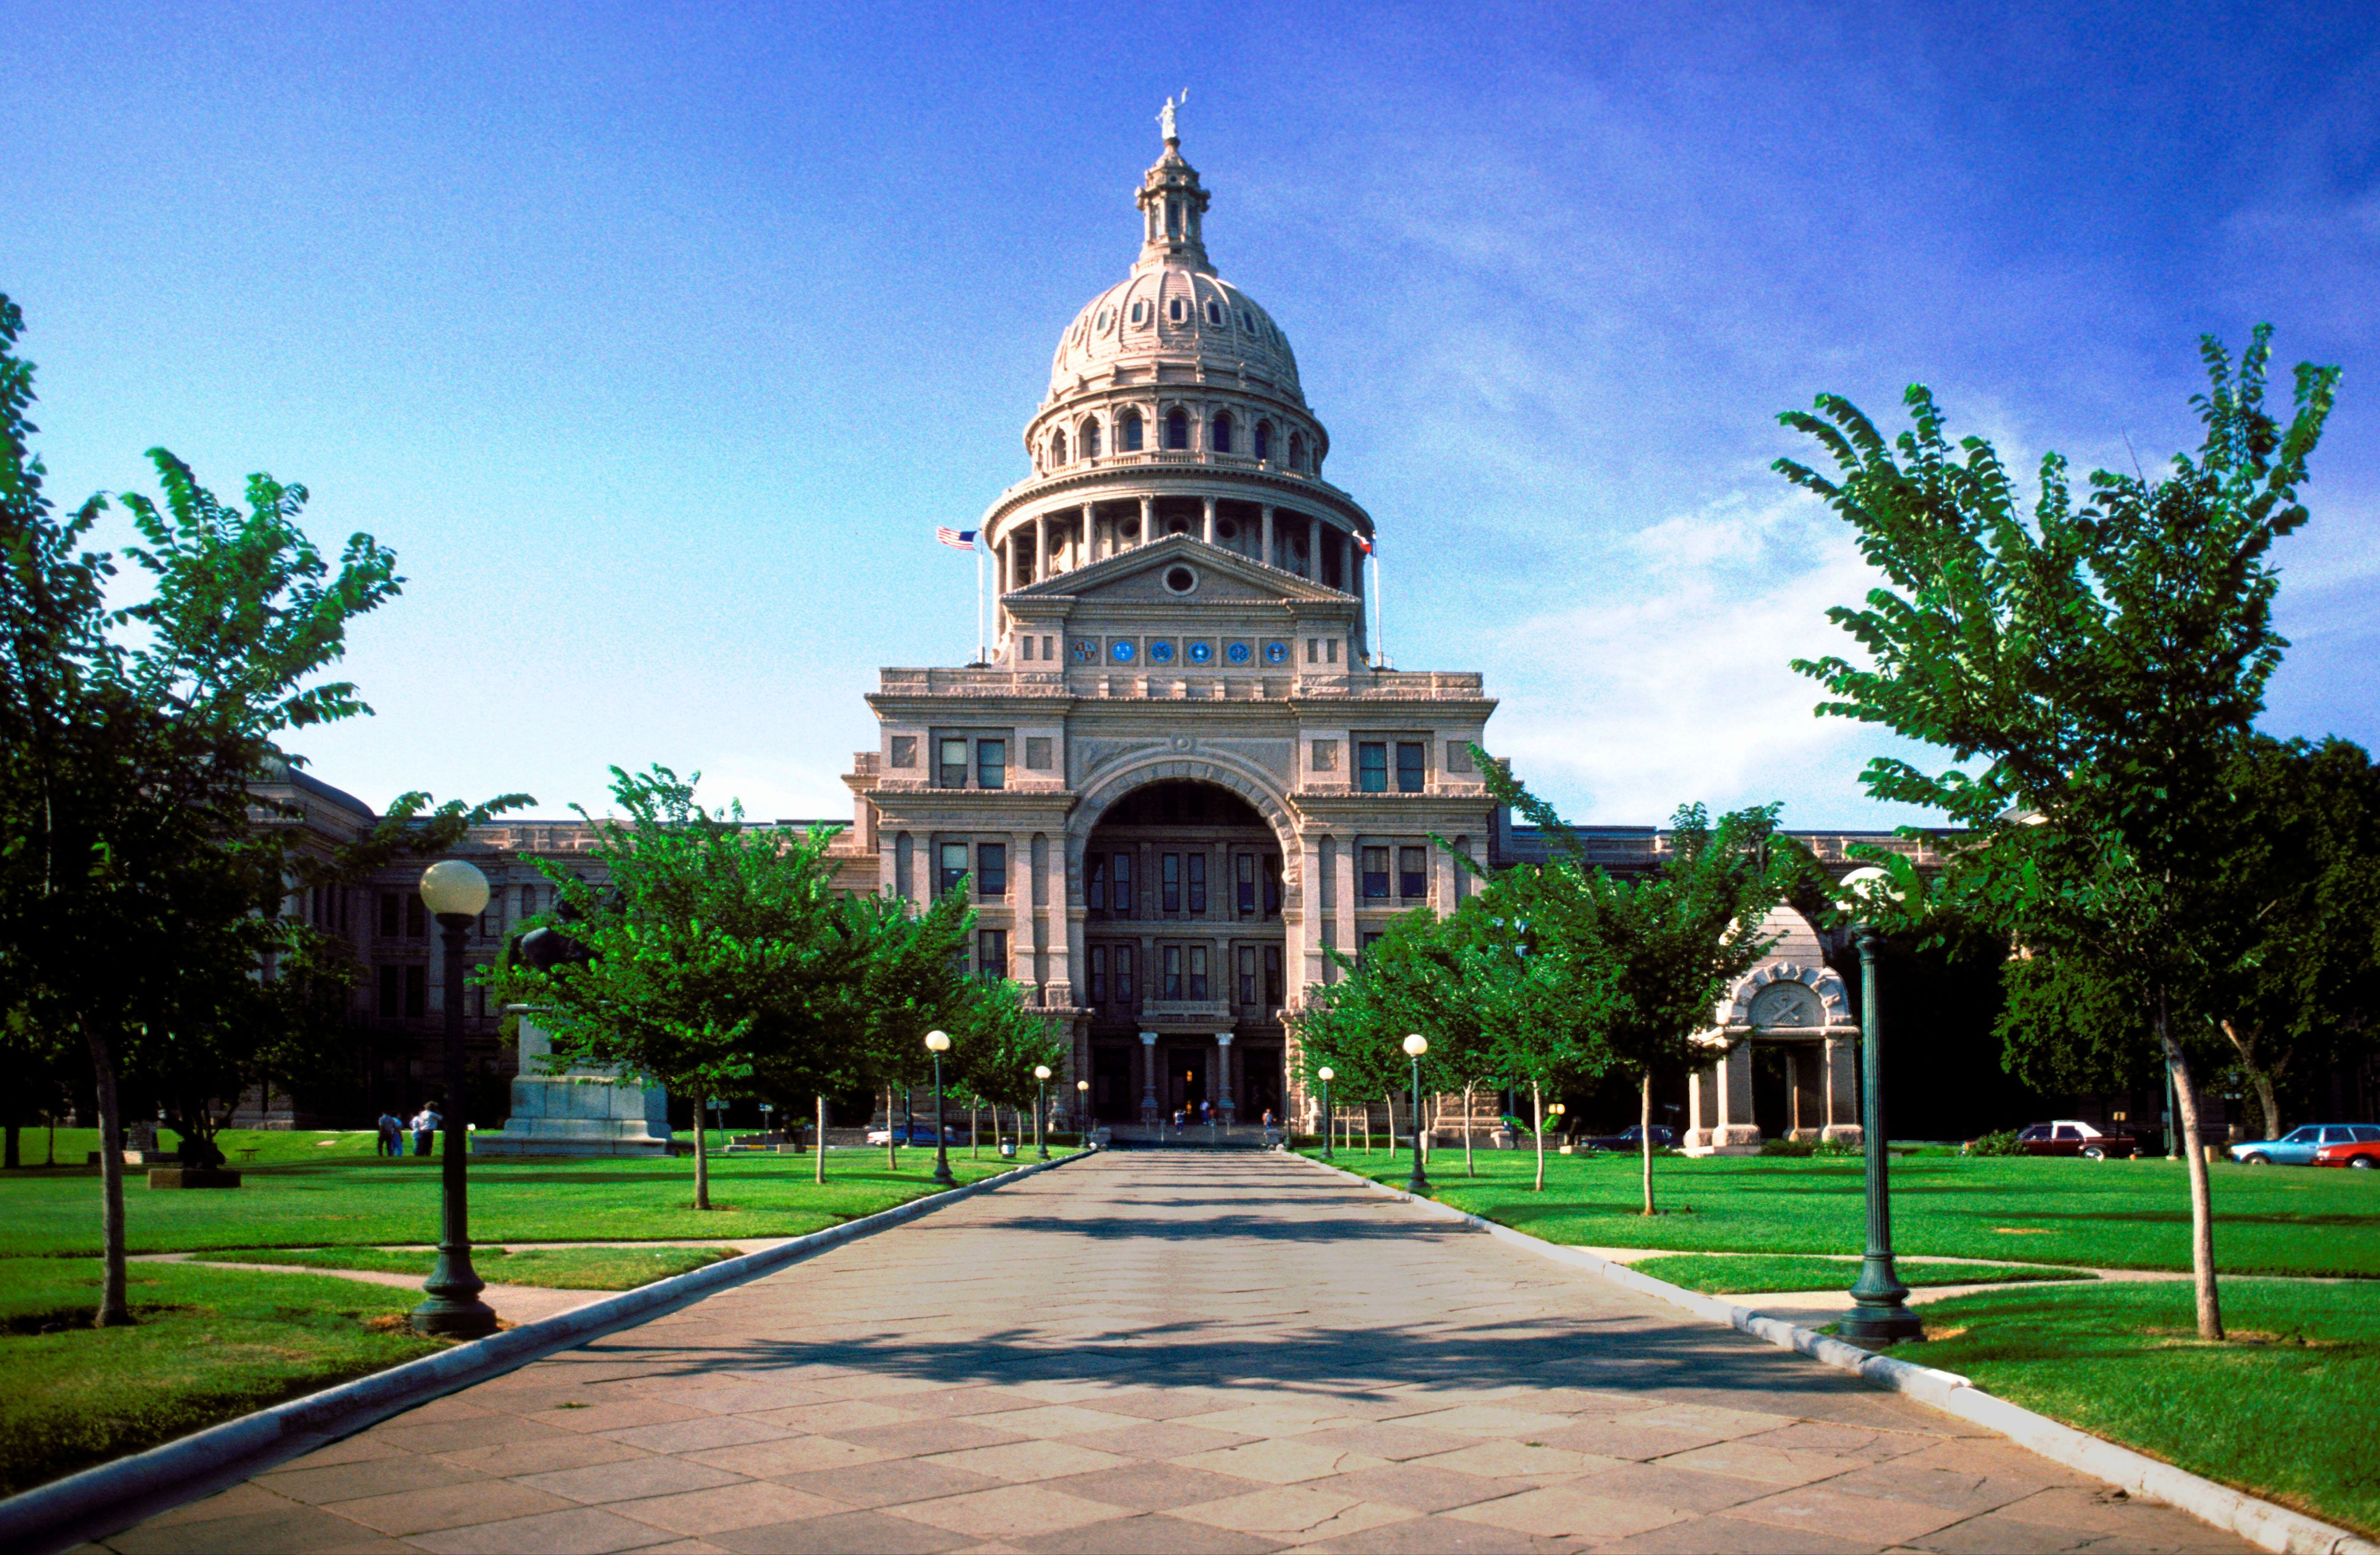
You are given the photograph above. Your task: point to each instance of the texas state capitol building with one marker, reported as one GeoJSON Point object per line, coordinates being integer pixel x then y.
{"type": "Point", "coordinates": [1179, 776]}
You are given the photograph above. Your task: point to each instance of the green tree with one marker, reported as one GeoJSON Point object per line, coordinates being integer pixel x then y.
{"type": "Point", "coordinates": [999, 1040]}
{"type": "Point", "coordinates": [2105, 664]}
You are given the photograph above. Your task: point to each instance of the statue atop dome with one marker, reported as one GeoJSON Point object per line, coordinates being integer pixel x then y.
{"type": "Point", "coordinates": [1166, 123]}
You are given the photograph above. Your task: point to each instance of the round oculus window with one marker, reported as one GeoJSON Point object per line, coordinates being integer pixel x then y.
{"type": "Point", "coordinates": [1161, 653]}
{"type": "Point", "coordinates": [1121, 650]}
{"type": "Point", "coordinates": [1200, 652]}
{"type": "Point", "coordinates": [1237, 653]}
{"type": "Point", "coordinates": [1181, 579]}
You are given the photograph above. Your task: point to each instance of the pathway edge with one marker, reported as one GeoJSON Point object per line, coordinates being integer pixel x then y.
{"type": "Point", "coordinates": [108, 1497]}
{"type": "Point", "coordinates": [2262, 1523]}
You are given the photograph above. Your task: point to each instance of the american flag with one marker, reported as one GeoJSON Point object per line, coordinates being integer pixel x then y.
{"type": "Point", "coordinates": [957, 539]}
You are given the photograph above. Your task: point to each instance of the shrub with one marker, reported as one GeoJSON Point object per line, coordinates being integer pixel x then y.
{"type": "Point", "coordinates": [2001, 1143]}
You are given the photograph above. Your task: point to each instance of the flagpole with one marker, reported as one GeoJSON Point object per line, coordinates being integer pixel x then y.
{"type": "Point", "coordinates": [981, 656]}
{"type": "Point", "coordinates": [1380, 637]}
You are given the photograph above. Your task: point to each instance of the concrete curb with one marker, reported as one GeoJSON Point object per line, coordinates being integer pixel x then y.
{"type": "Point", "coordinates": [2261, 1523]}
{"type": "Point", "coordinates": [111, 1497]}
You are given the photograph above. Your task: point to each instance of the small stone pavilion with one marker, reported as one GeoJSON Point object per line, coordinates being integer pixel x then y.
{"type": "Point", "coordinates": [1792, 1001]}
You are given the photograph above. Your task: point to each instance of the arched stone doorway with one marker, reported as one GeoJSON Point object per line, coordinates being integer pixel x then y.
{"type": "Point", "coordinates": [1184, 963]}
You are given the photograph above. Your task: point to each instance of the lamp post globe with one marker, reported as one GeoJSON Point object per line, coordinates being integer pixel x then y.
{"type": "Point", "coordinates": [1326, 1075]}
{"type": "Point", "coordinates": [1879, 1314]}
{"type": "Point", "coordinates": [1416, 1045]}
{"type": "Point", "coordinates": [938, 1043]}
{"type": "Point", "coordinates": [456, 893]}
{"type": "Point", "coordinates": [1082, 1114]}
{"type": "Point", "coordinates": [1042, 1108]}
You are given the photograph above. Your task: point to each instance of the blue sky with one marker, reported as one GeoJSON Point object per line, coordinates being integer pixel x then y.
{"type": "Point", "coordinates": [657, 341]}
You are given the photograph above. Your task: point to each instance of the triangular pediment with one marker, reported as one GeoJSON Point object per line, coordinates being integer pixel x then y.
{"type": "Point", "coordinates": [1217, 577]}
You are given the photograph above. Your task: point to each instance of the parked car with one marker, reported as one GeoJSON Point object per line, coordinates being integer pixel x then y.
{"type": "Point", "coordinates": [1629, 1138]}
{"type": "Point", "coordinates": [2069, 1136]}
{"type": "Point", "coordinates": [2364, 1152]}
{"type": "Point", "coordinates": [2298, 1146]}
{"type": "Point", "coordinates": [910, 1134]}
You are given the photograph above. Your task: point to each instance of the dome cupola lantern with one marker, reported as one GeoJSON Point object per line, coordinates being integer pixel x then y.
{"type": "Point", "coordinates": [1173, 206]}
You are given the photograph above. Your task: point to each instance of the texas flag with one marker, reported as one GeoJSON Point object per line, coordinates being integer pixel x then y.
{"type": "Point", "coordinates": [957, 539]}
{"type": "Point", "coordinates": [1363, 544]}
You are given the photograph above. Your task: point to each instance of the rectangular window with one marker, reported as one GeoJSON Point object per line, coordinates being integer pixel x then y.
{"type": "Point", "coordinates": [905, 751]}
{"type": "Point", "coordinates": [1099, 973]}
{"type": "Point", "coordinates": [1325, 756]}
{"type": "Point", "coordinates": [1028, 648]}
{"type": "Point", "coordinates": [1122, 871]}
{"type": "Point", "coordinates": [1197, 865]}
{"type": "Point", "coordinates": [1412, 872]}
{"type": "Point", "coordinates": [1458, 756]}
{"type": "Point", "coordinates": [1330, 649]}
{"type": "Point", "coordinates": [1272, 977]}
{"type": "Point", "coordinates": [992, 763]}
{"type": "Point", "coordinates": [1314, 650]}
{"type": "Point", "coordinates": [1273, 885]}
{"type": "Point", "coordinates": [1123, 985]}
{"type": "Point", "coordinates": [1371, 938]}
{"type": "Point", "coordinates": [953, 764]}
{"type": "Point", "coordinates": [417, 991]}
{"type": "Point", "coordinates": [1248, 974]}
{"type": "Point", "coordinates": [1409, 766]}
{"type": "Point", "coordinates": [1037, 753]}
{"type": "Point", "coordinates": [991, 954]}
{"type": "Point", "coordinates": [1376, 873]}
{"type": "Point", "coordinates": [1197, 971]}
{"type": "Point", "coordinates": [1244, 868]}
{"type": "Point", "coordinates": [389, 996]}
{"type": "Point", "coordinates": [1168, 882]}
{"type": "Point", "coordinates": [388, 910]}
{"type": "Point", "coordinates": [417, 918]}
{"type": "Point", "coordinates": [1372, 767]}
{"type": "Point", "coordinates": [953, 868]}
{"type": "Point", "coordinates": [1173, 984]}
{"type": "Point", "coordinates": [991, 869]}
{"type": "Point", "coordinates": [1095, 882]}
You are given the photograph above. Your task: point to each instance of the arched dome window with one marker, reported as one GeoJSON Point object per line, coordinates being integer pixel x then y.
{"type": "Point", "coordinates": [1215, 313]}
{"type": "Point", "coordinates": [1263, 446]}
{"type": "Point", "coordinates": [1223, 432]}
{"type": "Point", "coordinates": [1090, 440]}
{"type": "Point", "coordinates": [1177, 428]}
{"type": "Point", "coordinates": [1297, 451]}
{"type": "Point", "coordinates": [1177, 310]}
{"type": "Point", "coordinates": [1140, 313]}
{"type": "Point", "coordinates": [1058, 448]}
{"type": "Point", "coordinates": [1129, 440]}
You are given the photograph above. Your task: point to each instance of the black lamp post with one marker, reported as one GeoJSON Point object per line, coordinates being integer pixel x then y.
{"type": "Point", "coordinates": [1416, 1045]}
{"type": "Point", "coordinates": [1326, 1075]}
{"type": "Point", "coordinates": [1880, 1314]}
{"type": "Point", "coordinates": [940, 1043]}
{"type": "Point", "coordinates": [1082, 1114]}
{"type": "Point", "coordinates": [1041, 1107]}
{"type": "Point", "coordinates": [456, 892]}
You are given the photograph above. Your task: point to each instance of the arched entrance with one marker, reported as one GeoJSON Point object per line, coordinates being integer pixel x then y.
{"type": "Point", "coordinates": [1185, 959]}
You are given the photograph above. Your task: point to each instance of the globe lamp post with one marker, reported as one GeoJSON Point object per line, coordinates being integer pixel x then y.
{"type": "Point", "coordinates": [1416, 1045]}
{"type": "Point", "coordinates": [938, 1043]}
{"type": "Point", "coordinates": [1326, 1075]}
{"type": "Point", "coordinates": [456, 893]}
{"type": "Point", "coordinates": [1082, 1114]}
{"type": "Point", "coordinates": [1880, 1314]}
{"type": "Point", "coordinates": [1041, 1107]}
{"type": "Point", "coordinates": [1555, 1112]}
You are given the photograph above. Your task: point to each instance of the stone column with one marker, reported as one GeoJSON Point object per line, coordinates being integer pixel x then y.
{"type": "Point", "coordinates": [1266, 555]}
{"type": "Point", "coordinates": [887, 860]}
{"type": "Point", "coordinates": [1207, 523]}
{"type": "Point", "coordinates": [1147, 519]}
{"type": "Point", "coordinates": [1148, 1104]}
{"type": "Point", "coordinates": [1054, 912]}
{"type": "Point", "coordinates": [1023, 923]}
{"type": "Point", "coordinates": [1040, 547]}
{"type": "Point", "coordinates": [1223, 1107]}
{"type": "Point", "coordinates": [1842, 1088]}
{"type": "Point", "coordinates": [1702, 1109]}
{"type": "Point", "coordinates": [1314, 549]}
{"type": "Point", "coordinates": [1736, 1131]}
{"type": "Point", "coordinates": [1350, 856]}
{"type": "Point", "coordinates": [1083, 557]}
{"type": "Point", "coordinates": [1319, 891]}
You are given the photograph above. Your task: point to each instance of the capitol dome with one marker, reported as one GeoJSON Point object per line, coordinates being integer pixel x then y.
{"type": "Point", "coordinates": [1179, 314]}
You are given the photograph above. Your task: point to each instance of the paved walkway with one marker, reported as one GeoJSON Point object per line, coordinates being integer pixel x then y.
{"type": "Point", "coordinates": [1172, 1351]}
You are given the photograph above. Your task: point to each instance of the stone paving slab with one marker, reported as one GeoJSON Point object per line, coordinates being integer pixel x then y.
{"type": "Point", "coordinates": [1174, 1352]}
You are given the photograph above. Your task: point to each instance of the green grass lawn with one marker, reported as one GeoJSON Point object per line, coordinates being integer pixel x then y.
{"type": "Point", "coordinates": [559, 1268]}
{"type": "Point", "coordinates": [351, 1199]}
{"type": "Point", "coordinates": [2280, 1409]}
{"type": "Point", "coordinates": [211, 1345]}
{"type": "Point", "coordinates": [1734, 1275]}
{"type": "Point", "coordinates": [2115, 1214]}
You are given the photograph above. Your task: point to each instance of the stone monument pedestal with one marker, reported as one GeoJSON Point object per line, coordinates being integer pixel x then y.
{"type": "Point", "coordinates": [575, 1112]}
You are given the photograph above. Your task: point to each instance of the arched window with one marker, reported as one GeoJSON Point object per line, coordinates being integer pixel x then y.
{"type": "Point", "coordinates": [1177, 310]}
{"type": "Point", "coordinates": [1058, 448]}
{"type": "Point", "coordinates": [1090, 440]}
{"type": "Point", "coordinates": [1297, 450]}
{"type": "Point", "coordinates": [1263, 449]}
{"type": "Point", "coordinates": [1177, 428]}
{"type": "Point", "coordinates": [1140, 313]}
{"type": "Point", "coordinates": [1215, 313]}
{"type": "Point", "coordinates": [1131, 436]}
{"type": "Point", "coordinates": [1223, 432]}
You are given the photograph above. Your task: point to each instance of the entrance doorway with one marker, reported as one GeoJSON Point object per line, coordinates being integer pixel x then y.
{"type": "Point", "coordinates": [1115, 1097]}
{"type": "Point", "coordinates": [1261, 1076]}
{"type": "Point", "coordinates": [1186, 1079]}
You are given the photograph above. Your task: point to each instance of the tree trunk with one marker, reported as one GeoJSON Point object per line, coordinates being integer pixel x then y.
{"type": "Point", "coordinates": [701, 1163]}
{"type": "Point", "coordinates": [115, 1312]}
{"type": "Point", "coordinates": [1537, 1132]}
{"type": "Point", "coordinates": [818, 1145]}
{"type": "Point", "coordinates": [2202, 1206]}
{"type": "Point", "coordinates": [974, 1130]}
{"type": "Point", "coordinates": [891, 1149]}
{"type": "Point", "coordinates": [1645, 1139]}
{"type": "Point", "coordinates": [2266, 1102]}
{"type": "Point", "coordinates": [1469, 1170]}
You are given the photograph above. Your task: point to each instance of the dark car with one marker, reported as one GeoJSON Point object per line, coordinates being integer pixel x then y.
{"type": "Point", "coordinates": [2067, 1137]}
{"type": "Point", "coordinates": [1629, 1138]}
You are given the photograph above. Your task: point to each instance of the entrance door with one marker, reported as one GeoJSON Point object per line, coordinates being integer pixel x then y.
{"type": "Point", "coordinates": [1186, 1078]}
{"type": "Point", "coordinates": [1261, 1076]}
{"type": "Point", "coordinates": [1115, 1097]}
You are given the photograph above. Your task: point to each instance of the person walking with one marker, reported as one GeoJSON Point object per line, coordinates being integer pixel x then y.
{"type": "Point", "coordinates": [392, 1134]}
{"type": "Point", "coordinates": [425, 1129]}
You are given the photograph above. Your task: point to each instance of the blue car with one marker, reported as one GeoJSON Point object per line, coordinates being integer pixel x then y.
{"type": "Point", "coordinates": [2297, 1147]}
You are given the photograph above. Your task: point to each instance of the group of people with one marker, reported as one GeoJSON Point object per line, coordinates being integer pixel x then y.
{"type": "Point", "coordinates": [423, 1125]}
